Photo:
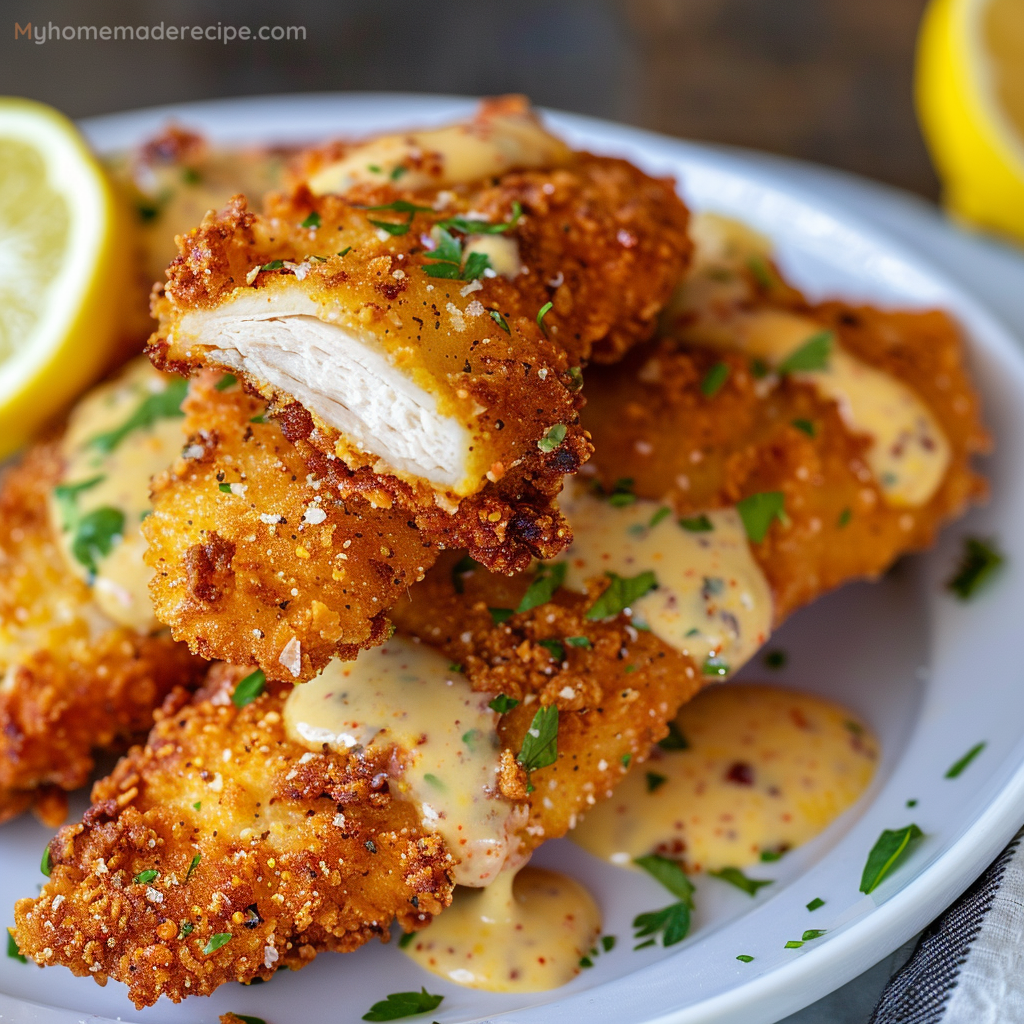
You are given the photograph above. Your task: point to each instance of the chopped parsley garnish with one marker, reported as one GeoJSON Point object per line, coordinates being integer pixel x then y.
{"type": "Point", "coordinates": [745, 958]}
{"type": "Point", "coordinates": [608, 942]}
{"type": "Point", "coordinates": [403, 1004]}
{"type": "Point", "coordinates": [761, 271]}
{"type": "Point", "coordinates": [655, 781]}
{"type": "Point", "coordinates": [454, 667]}
{"type": "Point", "coordinates": [815, 903]}
{"type": "Point", "coordinates": [500, 615]}
{"type": "Point", "coordinates": [844, 518]}
{"type": "Point", "coordinates": [776, 659]}
{"type": "Point", "coordinates": [186, 929]}
{"type": "Point", "coordinates": [312, 221]}
{"type": "Point", "coordinates": [398, 206]}
{"type": "Point", "coordinates": [579, 641]}
{"type": "Point", "coordinates": [626, 758]}
{"type": "Point", "coordinates": [770, 855]}
{"type": "Point", "coordinates": [144, 877]}
{"type": "Point", "coordinates": [662, 514]}
{"type": "Point", "coordinates": [227, 381]}
{"type": "Point", "coordinates": [224, 488]}
{"type": "Point", "coordinates": [434, 781]}
{"type": "Point", "coordinates": [216, 942]}
{"type": "Point", "coordinates": [447, 256]}
{"type": "Point", "coordinates": [793, 944]}
{"type": "Point", "coordinates": [714, 666]}
{"type": "Point", "coordinates": [575, 379]}
{"type": "Point", "coordinates": [161, 405]}
{"type": "Point", "coordinates": [406, 938]}
{"type": "Point", "coordinates": [621, 493]}
{"type": "Point", "coordinates": [807, 426]}
{"type": "Point", "coordinates": [911, 803]}
{"type": "Point", "coordinates": [758, 510]}
{"type": "Point", "coordinates": [957, 767]}
{"type": "Point", "coordinates": [759, 369]}
{"type": "Point", "coordinates": [550, 576]}
{"type": "Point", "coordinates": [273, 265]}
{"type": "Point", "coordinates": [198, 805]}
{"type": "Point", "coordinates": [540, 744]}
{"type": "Point", "coordinates": [675, 740]}
{"type": "Point", "coordinates": [345, 251]}
{"type": "Point", "coordinates": [552, 438]}
{"type": "Point", "coordinates": [671, 922]}
{"type": "Point", "coordinates": [463, 566]}
{"type": "Point", "coordinates": [714, 379]}
{"type": "Point", "coordinates": [193, 864]}
{"type": "Point", "coordinates": [397, 172]}
{"type": "Point", "coordinates": [697, 524]}
{"type": "Point", "coordinates": [12, 949]}
{"type": "Point", "coordinates": [622, 592]}
{"type": "Point", "coordinates": [811, 934]}
{"type": "Point", "coordinates": [981, 560]}
{"type": "Point", "coordinates": [503, 704]}
{"type": "Point", "coordinates": [891, 848]}
{"type": "Point", "coordinates": [811, 355]}
{"type": "Point", "coordinates": [503, 324]}
{"type": "Point", "coordinates": [736, 877]}
{"type": "Point", "coordinates": [249, 688]}
{"type": "Point", "coordinates": [245, 1018]}
{"type": "Point", "coordinates": [543, 312]}
{"type": "Point", "coordinates": [95, 532]}
{"type": "Point", "coordinates": [555, 647]}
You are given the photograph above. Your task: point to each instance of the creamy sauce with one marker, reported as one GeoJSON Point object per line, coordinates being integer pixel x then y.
{"type": "Point", "coordinates": [909, 453]}
{"type": "Point", "coordinates": [120, 583]}
{"type": "Point", "coordinates": [766, 769]}
{"type": "Point", "coordinates": [407, 695]}
{"type": "Point", "coordinates": [712, 602]}
{"type": "Point", "coordinates": [525, 932]}
{"type": "Point", "coordinates": [461, 153]}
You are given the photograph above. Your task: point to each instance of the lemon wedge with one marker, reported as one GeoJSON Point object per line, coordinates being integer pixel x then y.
{"type": "Point", "coordinates": [970, 101]}
{"type": "Point", "coordinates": [63, 268]}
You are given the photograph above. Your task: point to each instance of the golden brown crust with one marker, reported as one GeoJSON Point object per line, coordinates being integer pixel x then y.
{"type": "Point", "coordinates": [298, 853]}
{"type": "Point", "coordinates": [283, 560]}
{"type": "Point", "coordinates": [649, 415]}
{"type": "Point", "coordinates": [74, 681]}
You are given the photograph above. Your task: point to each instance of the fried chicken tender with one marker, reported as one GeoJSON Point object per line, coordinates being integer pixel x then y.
{"type": "Point", "coordinates": [191, 869]}
{"type": "Point", "coordinates": [290, 851]}
{"type": "Point", "coordinates": [757, 434]}
{"type": "Point", "coordinates": [75, 682]}
{"type": "Point", "coordinates": [257, 560]}
{"type": "Point", "coordinates": [350, 315]}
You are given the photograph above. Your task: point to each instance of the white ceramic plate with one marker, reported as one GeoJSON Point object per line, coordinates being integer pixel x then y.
{"type": "Point", "coordinates": [933, 676]}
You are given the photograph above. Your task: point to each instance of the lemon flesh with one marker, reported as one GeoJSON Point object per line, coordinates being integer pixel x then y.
{"type": "Point", "coordinates": [63, 268]}
{"type": "Point", "coordinates": [969, 85]}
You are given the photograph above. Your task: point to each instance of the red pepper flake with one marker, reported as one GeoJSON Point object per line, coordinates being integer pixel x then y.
{"type": "Point", "coordinates": [740, 773]}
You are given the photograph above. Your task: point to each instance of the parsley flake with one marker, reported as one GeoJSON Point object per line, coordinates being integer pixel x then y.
{"type": "Point", "coordinates": [761, 271]}
{"type": "Point", "coordinates": [655, 781]}
{"type": "Point", "coordinates": [757, 512]}
{"type": "Point", "coordinates": [575, 379]}
{"type": "Point", "coordinates": [406, 939]}
{"type": "Point", "coordinates": [249, 689]}
{"type": "Point", "coordinates": [403, 1004]}
{"type": "Point", "coordinates": [193, 864]}
{"type": "Point", "coordinates": [144, 877]}
{"type": "Point", "coordinates": [540, 744]}
{"type": "Point", "coordinates": [891, 848]}
{"type": "Point", "coordinates": [671, 922]}
{"type": "Point", "coordinates": [550, 576]}
{"type": "Point", "coordinates": [621, 593]}
{"type": "Point", "coordinates": [816, 903]}
{"type": "Point", "coordinates": [227, 381]}
{"type": "Point", "coordinates": [675, 740]}
{"type": "Point", "coordinates": [555, 647]}
{"type": "Point", "coordinates": [714, 380]}
{"type": "Point", "coordinates": [216, 942]}
{"type": "Point", "coordinates": [981, 560]}
{"type": "Point", "coordinates": [579, 641]}
{"type": "Point", "coordinates": [312, 221]}
{"type": "Point", "coordinates": [844, 518]}
{"type": "Point", "coordinates": [160, 405]}
{"type": "Point", "coordinates": [697, 524]}
{"type": "Point", "coordinates": [273, 265]}
{"type": "Point", "coordinates": [503, 704]}
{"type": "Point", "coordinates": [811, 934]}
{"type": "Point", "coordinates": [12, 949]}
{"type": "Point", "coordinates": [793, 944]}
{"type": "Point", "coordinates": [957, 767]}
{"type": "Point", "coordinates": [811, 355]}
{"type": "Point", "coordinates": [776, 659]}
{"type": "Point", "coordinates": [736, 877]}
{"type": "Point", "coordinates": [552, 438]}
{"type": "Point", "coordinates": [543, 312]}
{"type": "Point", "coordinates": [500, 615]}
{"type": "Point", "coordinates": [807, 426]}
{"type": "Point", "coordinates": [669, 873]}
{"type": "Point", "coordinates": [767, 856]}
{"type": "Point", "coordinates": [745, 958]}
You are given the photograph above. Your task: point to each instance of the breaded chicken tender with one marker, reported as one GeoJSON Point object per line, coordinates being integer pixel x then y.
{"type": "Point", "coordinates": [702, 425]}
{"type": "Point", "coordinates": [431, 340]}
{"type": "Point", "coordinates": [256, 559]}
{"type": "Point", "coordinates": [75, 682]}
{"type": "Point", "coordinates": [193, 868]}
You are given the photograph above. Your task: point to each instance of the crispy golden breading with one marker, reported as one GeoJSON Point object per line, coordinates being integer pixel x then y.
{"type": "Point", "coordinates": [495, 395]}
{"type": "Point", "coordinates": [302, 852]}
{"type": "Point", "coordinates": [261, 859]}
{"type": "Point", "coordinates": [75, 682]}
{"type": "Point", "coordinates": [649, 414]}
{"type": "Point", "coordinates": [256, 560]}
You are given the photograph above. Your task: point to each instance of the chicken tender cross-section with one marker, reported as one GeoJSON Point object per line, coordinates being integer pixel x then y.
{"type": "Point", "coordinates": [347, 802]}
{"type": "Point", "coordinates": [255, 559]}
{"type": "Point", "coordinates": [76, 680]}
{"type": "Point", "coordinates": [431, 337]}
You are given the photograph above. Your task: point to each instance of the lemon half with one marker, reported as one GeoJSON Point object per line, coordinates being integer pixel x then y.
{"type": "Point", "coordinates": [63, 268]}
{"type": "Point", "coordinates": [970, 101]}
